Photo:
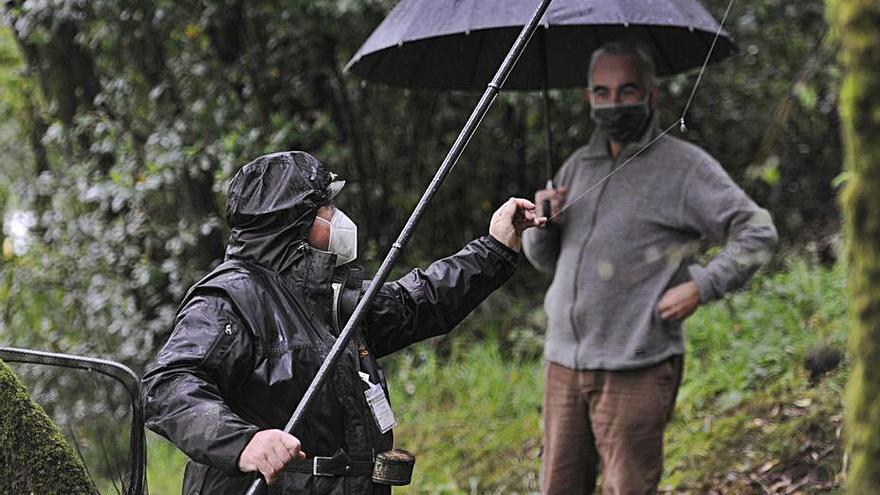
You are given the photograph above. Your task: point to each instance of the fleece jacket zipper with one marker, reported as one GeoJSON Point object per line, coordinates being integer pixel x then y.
{"type": "Point", "coordinates": [572, 315]}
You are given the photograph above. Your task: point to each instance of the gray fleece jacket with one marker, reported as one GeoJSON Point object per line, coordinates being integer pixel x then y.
{"type": "Point", "coordinates": [614, 252]}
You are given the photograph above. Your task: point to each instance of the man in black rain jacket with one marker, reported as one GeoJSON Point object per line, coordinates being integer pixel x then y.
{"type": "Point", "coordinates": [251, 335]}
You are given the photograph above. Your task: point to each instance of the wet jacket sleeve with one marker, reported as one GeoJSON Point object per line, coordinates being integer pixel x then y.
{"type": "Point", "coordinates": [716, 207]}
{"type": "Point", "coordinates": [430, 302]}
{"type": "Point", "coordinates": [184, 386]}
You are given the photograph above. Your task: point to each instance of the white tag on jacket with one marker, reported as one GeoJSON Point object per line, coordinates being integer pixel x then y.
{"type": "Point", "coordinates": [379, 405]}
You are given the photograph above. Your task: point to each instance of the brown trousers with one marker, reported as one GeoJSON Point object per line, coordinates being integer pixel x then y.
{"type": "Point", "coordinates": [616, 416]}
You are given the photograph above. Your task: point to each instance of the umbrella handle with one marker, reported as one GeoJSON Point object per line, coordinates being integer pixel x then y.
{"type": "Point", "coordinates": [547, 209]}
{"type": "Point", "coordinates": [547, 205]}
{"type": "Point", "coordinates": [449, 162]}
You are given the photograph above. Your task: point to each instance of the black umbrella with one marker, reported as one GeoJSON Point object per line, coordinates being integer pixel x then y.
{"type": "Point", "coordinates": [457, 44]}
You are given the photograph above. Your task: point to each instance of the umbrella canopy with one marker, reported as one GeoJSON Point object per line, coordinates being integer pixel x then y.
{"type": "Point", "coordinates": [458, 44]}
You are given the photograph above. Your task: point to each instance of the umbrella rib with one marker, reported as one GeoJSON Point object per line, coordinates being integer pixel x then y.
{"type": "Point", "coordinates": [660, 48]}
{"type": "Point", "coordinates": [372, 68]}
{"type": "Point", "coordinates": [474, 69]}
{"type": "Point", "coordinates": [415, 71]}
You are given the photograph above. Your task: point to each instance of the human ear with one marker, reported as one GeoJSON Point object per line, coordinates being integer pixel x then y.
{"type": "Point", "coordinates": [319, 234]}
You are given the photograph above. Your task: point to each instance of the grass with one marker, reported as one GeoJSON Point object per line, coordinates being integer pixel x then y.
{"type": "Point", "coordinates": [746, 400]}
{"type": "Point", "coordinates": [747, 420]}
{"type": "Point", "coordinates": [474, 424]}
{"type": "Point", "coordinates": [164, 466]}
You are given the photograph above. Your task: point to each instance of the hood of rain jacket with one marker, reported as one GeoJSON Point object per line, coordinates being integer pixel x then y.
{"type": "Point", "coordinates": [271, 206]}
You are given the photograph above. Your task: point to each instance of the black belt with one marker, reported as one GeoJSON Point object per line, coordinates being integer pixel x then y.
{"type": "Point", "coordinates": [338, 465]}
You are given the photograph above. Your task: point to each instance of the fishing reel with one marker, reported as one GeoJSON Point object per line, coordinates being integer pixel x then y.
{"type": "Point", "coordinates": [394, 467]}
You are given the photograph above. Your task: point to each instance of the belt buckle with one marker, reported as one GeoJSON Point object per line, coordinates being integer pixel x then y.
{"type": "Point", "coordinates": [315, 465]}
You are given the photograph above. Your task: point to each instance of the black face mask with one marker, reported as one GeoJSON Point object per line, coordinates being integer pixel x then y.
{"type": "Point", "coordinates": [624, 123]}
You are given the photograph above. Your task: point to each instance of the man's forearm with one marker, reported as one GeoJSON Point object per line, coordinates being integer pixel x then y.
{"type": "Point", "coordinates": [750, 246]}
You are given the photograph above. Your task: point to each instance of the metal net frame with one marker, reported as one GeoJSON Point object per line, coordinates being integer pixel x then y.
{"type": "Point", "coordinates": [96, 403]}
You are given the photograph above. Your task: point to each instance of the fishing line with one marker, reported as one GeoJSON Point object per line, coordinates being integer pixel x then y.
{"type": "Point", "coordinates": [680, 121]}
{"type": "Point", "coordinates": [614, 171]}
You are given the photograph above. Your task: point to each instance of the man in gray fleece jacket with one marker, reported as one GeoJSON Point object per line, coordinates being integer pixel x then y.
{"type": "Point", "coordinates": [625, 278]}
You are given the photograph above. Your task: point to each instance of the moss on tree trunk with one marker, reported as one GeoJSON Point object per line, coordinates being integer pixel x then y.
{"type": "Point", "coordinates": [34, 457]}
{"type": "Point", "coordinates": [858, 25]}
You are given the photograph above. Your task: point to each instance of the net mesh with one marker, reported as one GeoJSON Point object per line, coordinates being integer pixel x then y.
{"type": "Point", "coordinates": [96, 410]}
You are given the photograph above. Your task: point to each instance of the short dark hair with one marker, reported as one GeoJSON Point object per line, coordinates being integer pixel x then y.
{"type": "Point", "coordinates": [624, 48]}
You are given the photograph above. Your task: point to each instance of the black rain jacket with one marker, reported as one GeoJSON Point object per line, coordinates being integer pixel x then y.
{"type": "Point", "coordinates": [250, 336]}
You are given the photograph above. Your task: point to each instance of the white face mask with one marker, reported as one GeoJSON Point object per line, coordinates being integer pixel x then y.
{"type": "Point", "coordinates": [343, 237]}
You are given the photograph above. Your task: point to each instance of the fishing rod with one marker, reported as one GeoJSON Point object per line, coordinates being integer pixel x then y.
{"type": "Point", "coordinates": [461, 142]}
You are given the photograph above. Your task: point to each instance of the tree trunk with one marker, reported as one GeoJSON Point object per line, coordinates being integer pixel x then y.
{"type": "Point", "coordinates": [858, 25]}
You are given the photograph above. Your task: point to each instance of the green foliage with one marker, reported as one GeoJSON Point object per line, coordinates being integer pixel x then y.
{"type": "Point", "coordinates": [472, 422]}
{"type": "Point", "coordinates": [744, 360]}
{"type": "Point", "coordinates": [778, 97]}
{"type": "Point", "coordinates": [34, 458]}
{"type": "Point", "coordinates": [164, 466]}
{"type": "Point", "coordinates": [765, 329]}
{"type": "Point", "coordinates": [512, 317]}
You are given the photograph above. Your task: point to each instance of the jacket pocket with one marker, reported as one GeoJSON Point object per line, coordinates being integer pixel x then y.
{"type": "Point", "coordinates": [194, 478]}
{"type": "Point", "coordinates": [218, 348]}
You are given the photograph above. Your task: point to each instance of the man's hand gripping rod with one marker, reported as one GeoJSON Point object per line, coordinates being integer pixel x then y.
{"type": "Point", "coordinates": [449, 162]}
